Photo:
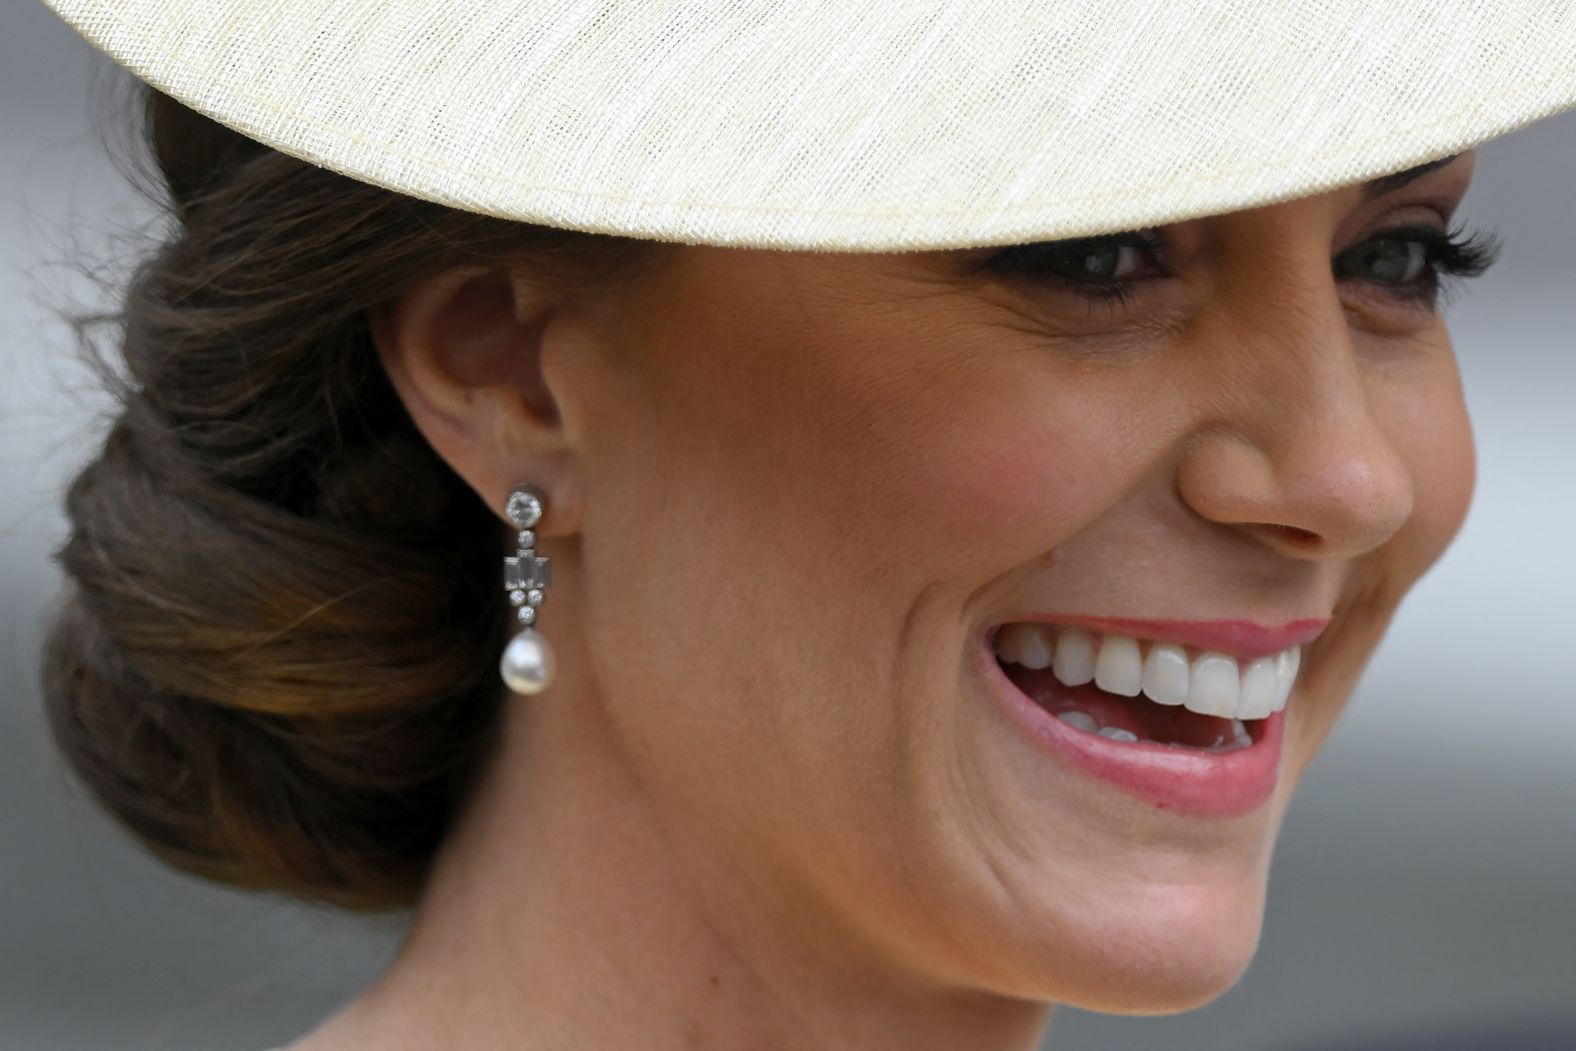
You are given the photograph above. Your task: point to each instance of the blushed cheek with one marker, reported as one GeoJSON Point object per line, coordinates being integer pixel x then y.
{"type": "Point", "coordinates": [913, 443]}
{"type": "Point", "coordinates": [987, 476]}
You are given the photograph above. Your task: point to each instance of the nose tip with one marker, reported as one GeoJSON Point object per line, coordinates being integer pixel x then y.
{"type": "Point", "coordinates": [1330, 485]}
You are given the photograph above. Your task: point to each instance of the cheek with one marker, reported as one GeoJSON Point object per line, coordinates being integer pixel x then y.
{"type": "Point", "coordinates": [994, 463]}
{"type": "Point", "coordinates": [961, 469]}
{"type": "Point", "coordinates": [1436, 439]}
{"type": "Point", "coordinates": [816, 484]}
{"type": "Point", "coordinates": [902, 445]}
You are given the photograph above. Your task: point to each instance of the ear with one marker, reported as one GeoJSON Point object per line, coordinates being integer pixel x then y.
{"type": "Point", "coordinates": [470, 353]}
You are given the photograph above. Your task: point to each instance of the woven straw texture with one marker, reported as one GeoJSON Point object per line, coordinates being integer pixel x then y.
{"type": "Point", "coordinates": [853, 126]}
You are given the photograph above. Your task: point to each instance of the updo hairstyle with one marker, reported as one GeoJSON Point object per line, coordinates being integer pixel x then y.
{"type": "Point", "coordinates": [275, 659]}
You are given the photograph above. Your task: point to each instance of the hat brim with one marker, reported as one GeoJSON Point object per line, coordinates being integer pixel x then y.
{"type": "Point", "coordinates": [838, 126]}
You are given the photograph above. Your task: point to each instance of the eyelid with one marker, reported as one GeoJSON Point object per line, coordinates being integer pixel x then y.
{"type": "Point", "coordinates": [1413, 231]}
{"type": "Point", "coordinates": [1443, 197]}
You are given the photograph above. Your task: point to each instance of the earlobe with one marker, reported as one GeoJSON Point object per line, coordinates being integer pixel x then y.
{"type": "Point", "coordinates": [463, 350]}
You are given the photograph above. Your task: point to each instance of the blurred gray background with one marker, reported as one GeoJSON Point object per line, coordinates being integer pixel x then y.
{"type": "Point", "coordinates": [1422, 893]}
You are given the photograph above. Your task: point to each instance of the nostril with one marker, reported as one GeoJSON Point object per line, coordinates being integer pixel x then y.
{"type": "Point", "coordinates": [1292, 536]}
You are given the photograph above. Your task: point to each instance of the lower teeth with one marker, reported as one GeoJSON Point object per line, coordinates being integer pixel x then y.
{"type": "Point", "coordinates": [1239, 737]}
{"type": "Point", "coordinates": [1081, 720]}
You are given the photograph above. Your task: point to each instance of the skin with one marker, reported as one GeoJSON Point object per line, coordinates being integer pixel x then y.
{"type": "Point", "coordinates": [767, 803]}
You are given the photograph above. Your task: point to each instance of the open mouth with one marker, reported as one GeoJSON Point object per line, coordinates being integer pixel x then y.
{"type": "Point", "coordinates": [1189, 719]}
{"type": "Point", "coordinates": [1146, 691]}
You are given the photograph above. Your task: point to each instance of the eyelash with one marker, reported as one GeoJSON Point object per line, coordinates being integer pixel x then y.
{"type": "Point", "coordinates": [1448, 259]}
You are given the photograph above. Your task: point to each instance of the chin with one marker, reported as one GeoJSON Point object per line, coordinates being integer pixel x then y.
{"type": "Point", "coordinates": [1180, 954]}
{"type": "Point", "coordinates": [1165, 950]}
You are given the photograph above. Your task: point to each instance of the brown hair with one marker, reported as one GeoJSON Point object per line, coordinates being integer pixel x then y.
{"type": "Point", "coordinates": [275, 661]}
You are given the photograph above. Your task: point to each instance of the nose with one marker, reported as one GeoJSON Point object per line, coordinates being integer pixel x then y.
{"type": "Point", "coordinates": [1291, 449]}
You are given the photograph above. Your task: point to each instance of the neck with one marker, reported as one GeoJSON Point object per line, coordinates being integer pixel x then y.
{"type": "Point", "coordinates": [562, 914]}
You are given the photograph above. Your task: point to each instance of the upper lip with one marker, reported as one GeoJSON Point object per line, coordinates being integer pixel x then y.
{"type": "Point", "coordinates": [1239, 638]}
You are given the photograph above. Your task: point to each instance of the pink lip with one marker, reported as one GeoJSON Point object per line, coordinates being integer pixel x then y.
{"type": "Point", "coordinates": [1239, 638]}
{"type": "Point", "coordinates": [1187, 781]}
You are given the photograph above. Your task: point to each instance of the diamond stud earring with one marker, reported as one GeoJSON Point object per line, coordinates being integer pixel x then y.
{"type": "Point", "coordinates": [527, 662]}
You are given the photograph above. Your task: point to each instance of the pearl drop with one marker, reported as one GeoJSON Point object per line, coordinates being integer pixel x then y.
{"type": "Point", "coordinates": [527, 662]}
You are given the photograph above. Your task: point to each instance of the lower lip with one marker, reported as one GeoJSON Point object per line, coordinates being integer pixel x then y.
{"type": "Point", "coordinates": [1184, 780]}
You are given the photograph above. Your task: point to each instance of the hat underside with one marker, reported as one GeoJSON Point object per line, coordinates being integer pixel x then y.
{"type": "Point", "coordinates": [832, 126]}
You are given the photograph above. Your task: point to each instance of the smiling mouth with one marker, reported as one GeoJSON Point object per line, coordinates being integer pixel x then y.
{"type": "Point", "coordinates": [1147, 691]}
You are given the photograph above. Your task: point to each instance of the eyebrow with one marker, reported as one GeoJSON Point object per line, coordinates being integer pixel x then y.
{"type": "Point", "coordinates": [1385, 183]}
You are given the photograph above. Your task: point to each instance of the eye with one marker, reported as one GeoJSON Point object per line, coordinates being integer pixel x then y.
{"type": "Point", "coordinates": [1416, 263]}
{"type": "Point", "coordinates": [1100, 269]}
{"type": "Point", "coordinates": [1089, 260]}
{"type": "Point", "coordinates": [1391, 260]}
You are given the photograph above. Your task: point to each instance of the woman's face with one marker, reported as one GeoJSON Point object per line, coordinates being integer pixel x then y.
{"type": "Point", "coordinates": [815, 485]}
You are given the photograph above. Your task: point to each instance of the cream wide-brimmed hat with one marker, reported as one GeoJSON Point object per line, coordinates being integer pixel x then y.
{"type": "Point", "coordinates": [853, 125]}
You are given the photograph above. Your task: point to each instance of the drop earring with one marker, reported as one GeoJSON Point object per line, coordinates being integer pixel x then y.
{"type": "Point", "coordinates": [527, 662]}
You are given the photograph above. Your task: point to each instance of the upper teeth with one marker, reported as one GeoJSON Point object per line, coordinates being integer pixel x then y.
{"type": "Point", "coordinates": [1210, 684]}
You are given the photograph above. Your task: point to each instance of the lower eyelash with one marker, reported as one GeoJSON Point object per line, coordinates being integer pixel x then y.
{"type": "Point", "coordinates": [1114, 295]}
